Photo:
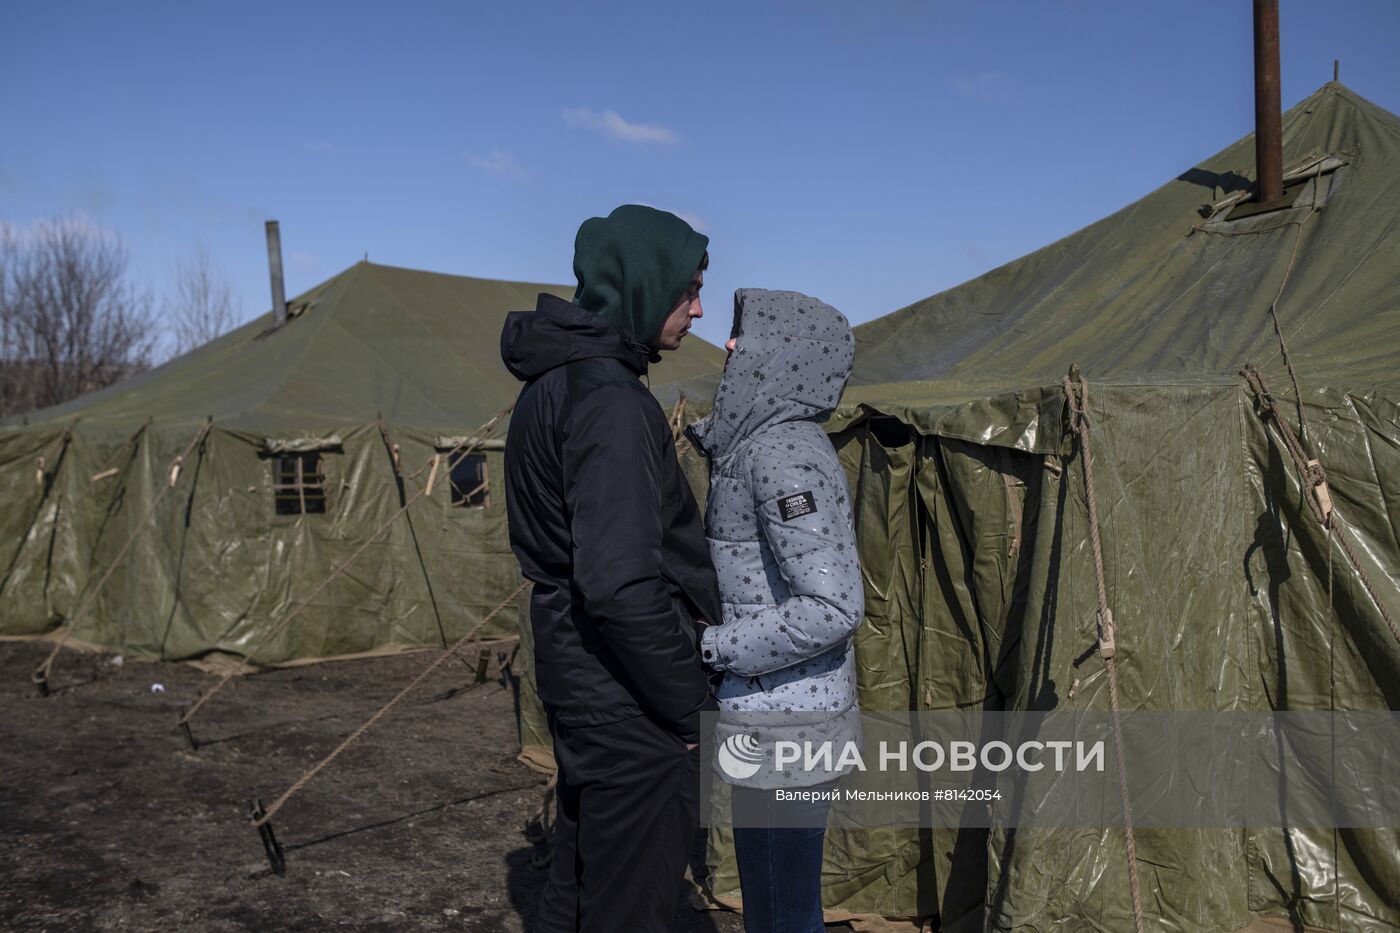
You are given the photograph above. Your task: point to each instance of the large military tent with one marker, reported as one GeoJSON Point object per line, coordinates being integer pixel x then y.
{"type": "Point", "coordinates": [973, 531]}
{"type": "Point", "coordinates": [294, 476]}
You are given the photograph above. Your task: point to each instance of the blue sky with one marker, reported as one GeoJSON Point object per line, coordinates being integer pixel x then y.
{"type": "Point", "coordinates": [869, 153]}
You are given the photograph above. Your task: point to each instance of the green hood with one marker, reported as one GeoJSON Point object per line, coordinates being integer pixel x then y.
{"type": "Point", "coordinates": [633, 266]}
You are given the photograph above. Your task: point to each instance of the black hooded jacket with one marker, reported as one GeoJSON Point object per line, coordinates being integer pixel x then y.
{"type": "Point", "coordinates": [603, 521]}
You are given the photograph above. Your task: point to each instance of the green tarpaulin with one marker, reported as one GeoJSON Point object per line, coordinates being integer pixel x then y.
{"type": "Point", "coordinates": [220, 562]}
{"type": "Point", "coordinates": [973, 532]}
{"type": "Point", "coordinates": [969, 492]}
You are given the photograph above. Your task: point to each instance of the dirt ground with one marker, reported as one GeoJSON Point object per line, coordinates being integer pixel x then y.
{"type": "Point", "coordinates": [110, 822]}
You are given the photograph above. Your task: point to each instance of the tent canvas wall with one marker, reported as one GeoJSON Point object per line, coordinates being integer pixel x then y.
{"type": "Point", "coordinates": [972, 526]}
{"type": "Point", "coordinates": [227, 554]}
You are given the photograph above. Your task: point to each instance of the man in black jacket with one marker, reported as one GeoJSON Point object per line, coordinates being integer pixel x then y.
{"type": "Point", "coordinates": [603, 521]}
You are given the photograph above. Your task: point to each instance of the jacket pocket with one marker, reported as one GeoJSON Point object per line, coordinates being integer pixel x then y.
{"type": "Point", "coordinates": [687, 624]}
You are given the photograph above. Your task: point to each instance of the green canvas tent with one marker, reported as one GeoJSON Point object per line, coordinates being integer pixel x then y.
{"type": "Point", "coordinates": [974, 540]}
{"type": "Point", "coordinates": [291, 481]}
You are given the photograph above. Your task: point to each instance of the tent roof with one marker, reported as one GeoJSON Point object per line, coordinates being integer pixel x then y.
{"type": "Point", "coordinates": [1158, 292]}
{"type": "Point", "coordinates": [422, 348]}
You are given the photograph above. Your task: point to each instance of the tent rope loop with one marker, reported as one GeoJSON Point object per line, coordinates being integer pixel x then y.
{"type": "Point", "coordinates": [110, 468]}
{"type": "Point", "coordinates": [396, 461]}
{"type": "Point", "coordinates": [677, 425]}
{"type": "Point", "coordinates": [1314, 478]}
{"type": "Point", "coordinates": [1078, 403]}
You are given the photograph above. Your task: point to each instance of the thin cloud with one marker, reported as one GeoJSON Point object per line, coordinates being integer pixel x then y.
{"type": "Point", "coordinates": [497, 162]}
{"type": "Point", "coordinates": [319, 145]}
{"type": "Point", "coordinates": [610, 123]}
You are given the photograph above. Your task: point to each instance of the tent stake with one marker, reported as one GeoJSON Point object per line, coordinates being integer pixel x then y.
{"type": "Point", "coordinates": [271, 847]}
{"type": "Point", "coordinates": [185, 731]}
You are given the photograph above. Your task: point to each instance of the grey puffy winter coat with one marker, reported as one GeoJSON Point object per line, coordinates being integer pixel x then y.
{"type": "Point", "coordinates": [779, 517]}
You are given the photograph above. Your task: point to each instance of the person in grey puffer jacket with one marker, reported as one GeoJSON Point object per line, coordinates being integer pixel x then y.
{"type": "Point", "coordinates": [780, 529]}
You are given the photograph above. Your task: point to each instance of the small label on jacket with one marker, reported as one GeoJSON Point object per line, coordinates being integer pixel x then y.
{"type": "Point", "coordinates": [794, 506]}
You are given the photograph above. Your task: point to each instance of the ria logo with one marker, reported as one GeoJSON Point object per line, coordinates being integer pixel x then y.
{"type": "Point", "coordinates": [740, 756]}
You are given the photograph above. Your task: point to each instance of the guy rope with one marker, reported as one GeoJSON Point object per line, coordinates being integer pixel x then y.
{"type": "Point", "coordinates": [264, 816]}
{"type": "Point", "coordinates": [43, 477]}
{"type": "Point", "coordinates": [396, 460]}
{"type": "Point", "coordinates": [1079, 418]}
{"type": "Point", "coordinates": [677, 424]}
{"type": "Point", "coordinates": [40, 676]}
{"type": "Point", "coordinates": [110, 468]}
{"type": "Point", "coordinates": [462, 450]}
{"type": "Point", "coordinates": [1313, 479]}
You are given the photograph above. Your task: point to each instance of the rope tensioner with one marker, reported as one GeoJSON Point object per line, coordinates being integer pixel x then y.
{"type": "Point", "coordinates": [432, 475]}
{"type": "Point", "coordinates": [1107, 648]}
{"type": "Point", "coordinates": [1317, 479]}
{"type": "Point", "coordinates": [1313, 478]}
{"type": "Point", "coordinates": [1078, 403]}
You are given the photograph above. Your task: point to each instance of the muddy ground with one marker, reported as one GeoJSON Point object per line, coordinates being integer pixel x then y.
{"type": "Point", "coordinates": [109, 822]}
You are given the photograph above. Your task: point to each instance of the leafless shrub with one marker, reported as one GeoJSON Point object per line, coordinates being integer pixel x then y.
{"type": "Point", "coordinates": [70, 322]}
{"type": "Point", "coordinates": [201, 303]}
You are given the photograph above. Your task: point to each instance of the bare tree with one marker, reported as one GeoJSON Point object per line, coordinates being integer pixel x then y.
{"type": "Point", "coordinates": [200, 305]}
{"type": "Point", "coordinates": [8, 322]}
{"type": "Point", "coordinates": [72, 323]}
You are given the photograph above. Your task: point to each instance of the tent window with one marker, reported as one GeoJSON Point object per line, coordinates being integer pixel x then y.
{"type": "Point", "coordinates": [299, 484]}
{"type": "Point", "coordinates": [471, 489]}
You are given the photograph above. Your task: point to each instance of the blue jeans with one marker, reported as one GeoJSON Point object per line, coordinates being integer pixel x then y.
{"type": "Point", "coordinates": [780, 868]}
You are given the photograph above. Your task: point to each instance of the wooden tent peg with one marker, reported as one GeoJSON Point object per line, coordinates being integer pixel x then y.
{"type": "Point", "coordinates": [1107, 648]}
{"type": "Point", "coordinates": [1320, 492]}
{"type": "Point", "coordinates": [432, 475]}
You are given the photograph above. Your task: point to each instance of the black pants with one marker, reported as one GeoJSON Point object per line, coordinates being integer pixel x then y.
{"type": "Point", "coordinates": [628, 805]}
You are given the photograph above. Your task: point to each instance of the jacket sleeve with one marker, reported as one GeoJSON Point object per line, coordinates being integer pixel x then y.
{"type": "Point", "coordinates": [803, 509]}
{"type": "Point", "coordinates": [611, 449]}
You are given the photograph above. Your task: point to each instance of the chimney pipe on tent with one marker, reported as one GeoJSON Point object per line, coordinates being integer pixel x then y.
{"type": "Point", "coordinates": [274, 268]}
{"type": "Point", "coordinates": [1268, 117]}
